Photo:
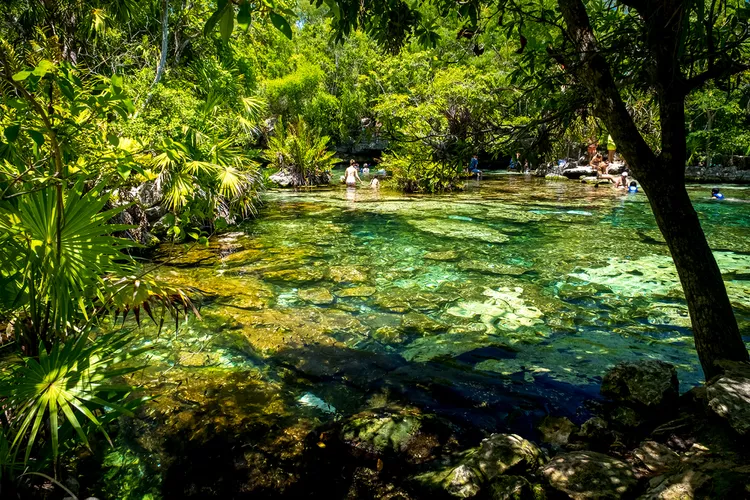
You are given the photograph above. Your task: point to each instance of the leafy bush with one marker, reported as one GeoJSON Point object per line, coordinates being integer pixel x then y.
{"type": "Point", "coordinates": [299, 151]}
{"type": "Point", "coordinates": [416, 171]}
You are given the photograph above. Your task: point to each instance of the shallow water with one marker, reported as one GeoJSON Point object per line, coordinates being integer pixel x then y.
{"type": "Point", "coordinates": [491, 307]}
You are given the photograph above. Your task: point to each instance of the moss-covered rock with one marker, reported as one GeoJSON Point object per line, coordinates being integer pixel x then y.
{"type": "Point", "coordinates": [357, 291]}
{"type": "Point", "coordinates": [585, 475]}
{"type": "Point", "coordinates": [501, 453]}
{"type": "Point", "coordinates": [317, 296]}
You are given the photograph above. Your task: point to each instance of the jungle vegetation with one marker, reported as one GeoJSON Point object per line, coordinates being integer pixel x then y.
{"type": "Point", "coordinates": [200, 100]}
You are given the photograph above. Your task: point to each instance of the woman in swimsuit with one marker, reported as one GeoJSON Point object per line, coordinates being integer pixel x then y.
{"type": "Point", "coordinates": [351, 175]}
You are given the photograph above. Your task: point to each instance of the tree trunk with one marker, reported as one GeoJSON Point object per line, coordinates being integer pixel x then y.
{"type": "Point", "coordinates": [164, 47]}
{"type": "Point", "coordinates": [714, 325]}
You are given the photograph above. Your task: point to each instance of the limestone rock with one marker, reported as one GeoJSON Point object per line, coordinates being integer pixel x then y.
{"type": "Point", "coordinates": [649, 383]}
{"type": "Point", "coordinates": [317, 296]}
{"type": "Point", "coordinates": [616, 168]}
{"type": "Point", "coordinates": [447, 256]}
{"type": "Point", "coordinates": [463, 482]}
{"type": "Point", "coordinates": [656, 457]}
{"type": "Point", "coordinates": [282, 179]}
{"type": "Point", "coordinates": [357, 291]}
{"type": "Point", "coordinates": [421, 323]}
{"type": "Point", "coordinates": [584, 475]}
{"type": "Point", "coordinates": [348, 274]}
{"type": "Point", "coordinates": [625, 417]}
{"type": "Point", "coordinates": [680, 486]}
{"type": "Point", "coordinates": [500, 453]}
{"type": "Point", "coordinates": [729, 396]}
{"type": "Point", "coordinates": [511, 488]}
{"type": "Point", "coordinates": [403, 433]}
{"type": "Point", "coordinates": [388, 335]}
{"type": "Point", "coordinates": [577, 172]}
{"type": "Point", "coordinates": [556, 430]}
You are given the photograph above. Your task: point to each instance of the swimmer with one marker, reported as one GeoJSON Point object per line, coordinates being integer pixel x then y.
{"type": "Point", "coordinates": [633, 188]}
{"type": "Point", "coordinates": [375, 183]}
{"type": "Point", "coordinates": [716, 194]}
{"type": "Point", "coordinates": [352, 176]}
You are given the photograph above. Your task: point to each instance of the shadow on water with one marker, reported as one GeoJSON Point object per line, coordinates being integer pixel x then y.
{"type": "Point", "coordinates": [241, 438]}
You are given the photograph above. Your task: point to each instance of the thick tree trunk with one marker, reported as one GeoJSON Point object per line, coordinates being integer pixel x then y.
{"type": "Point", "coordinates": [715, 328]}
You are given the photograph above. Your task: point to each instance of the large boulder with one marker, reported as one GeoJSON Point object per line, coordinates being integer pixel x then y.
{"type": "Point", "coordinates": [729, 396]}
{"type": "Point", "coordinates": [616, 168]}
{"type": "Point", "coordinates": [282, 178]}
{"type": "Point", "coordinates": [579, 171]}
{"type": "Point", "coordinates": [584, 475]}
{"type": "Point", "coordinates": [649, 384]}
{"type": "Point", "coordinates": [501, 453]}
{"type": "Point", "coordinates": [401, 433]}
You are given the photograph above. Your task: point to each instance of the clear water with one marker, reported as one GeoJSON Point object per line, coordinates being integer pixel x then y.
{"type": "Point", "coordinates": [491, 307]}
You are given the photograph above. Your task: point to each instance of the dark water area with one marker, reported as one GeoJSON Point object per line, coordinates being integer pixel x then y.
{"type": "Point", "coordinates": [489, 308]}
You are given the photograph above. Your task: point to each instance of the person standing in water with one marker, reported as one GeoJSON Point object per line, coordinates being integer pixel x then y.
{"type": "Point", "coordinates": [351, 176]}
{"type": "Point", "coordinates": [474, 167]}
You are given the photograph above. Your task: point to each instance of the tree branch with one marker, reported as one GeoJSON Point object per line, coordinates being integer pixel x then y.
{"type": "Point", "coordinates": [720, 71]}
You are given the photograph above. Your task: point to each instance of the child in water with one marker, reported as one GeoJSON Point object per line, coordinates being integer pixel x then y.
{"type": "Point", "coordinates": [633, 188]}
{"type": "Point", "coordinates": [375, 183]}
{"type": "Point", "coordinates": [716, 194]}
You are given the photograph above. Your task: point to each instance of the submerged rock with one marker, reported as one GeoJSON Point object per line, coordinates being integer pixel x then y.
{"type": "Point", "coordinates": [421, 323]}
{"type": "Point", "coordinates": [482, 266]}
{"type": "Point", "coordinates": [447, 256]}
{"type": "Point", "coordinates": [406, 434]}
{"type": "Point", "coordinates": [556, 430]}
{"type": "Point", "coordinates": [584, 475]}
{"type": "Point", "coordinates": [317, 296]}
{"type": "Point", "coordinates": [650, 383]}
{"type": "Point", "coordinates": [357, 291]}
{"type": "Point", "coordinates": [729, 396]}
{"type": "Point", "coordinates": [459, 229]}
{"type": "Point", "coordinates": [347, 274]}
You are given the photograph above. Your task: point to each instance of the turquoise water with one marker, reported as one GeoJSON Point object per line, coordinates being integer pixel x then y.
{"type": "Point", "coordinates": [491, 307]}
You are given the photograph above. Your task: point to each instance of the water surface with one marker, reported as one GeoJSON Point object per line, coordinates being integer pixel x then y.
{"type": "Point", "coordinates": [491, 307]}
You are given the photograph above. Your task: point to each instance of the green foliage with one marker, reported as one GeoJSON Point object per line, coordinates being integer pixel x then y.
{"type": "Point", "coordinates": [301, 152]}
{"type": "Point", "coordinates": [75, 381]}
{"type": "Point", "coordinates": [416, 171]}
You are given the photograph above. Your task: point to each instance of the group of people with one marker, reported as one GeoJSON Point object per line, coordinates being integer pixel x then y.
{"type": "Point", "coordinates": [351, 176]}
{"type": "Point", "coordinates": [515, 163]}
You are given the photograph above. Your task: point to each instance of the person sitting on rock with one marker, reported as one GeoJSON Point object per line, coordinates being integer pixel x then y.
{"type": "Point", "coordinates": [598, 164]}
{"type": "Point", "coordinates": [716, 194]}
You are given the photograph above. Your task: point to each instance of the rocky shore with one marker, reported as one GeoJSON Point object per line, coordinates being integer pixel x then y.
{"type": "Point", "coordinates": [641, 441]}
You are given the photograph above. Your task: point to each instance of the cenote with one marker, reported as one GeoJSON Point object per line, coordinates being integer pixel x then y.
{"type": "Point", "coordinates": [489, 309]}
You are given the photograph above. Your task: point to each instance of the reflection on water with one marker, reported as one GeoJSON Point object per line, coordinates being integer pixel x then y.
{"type": "Point", "coordinates": [490, 307]}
